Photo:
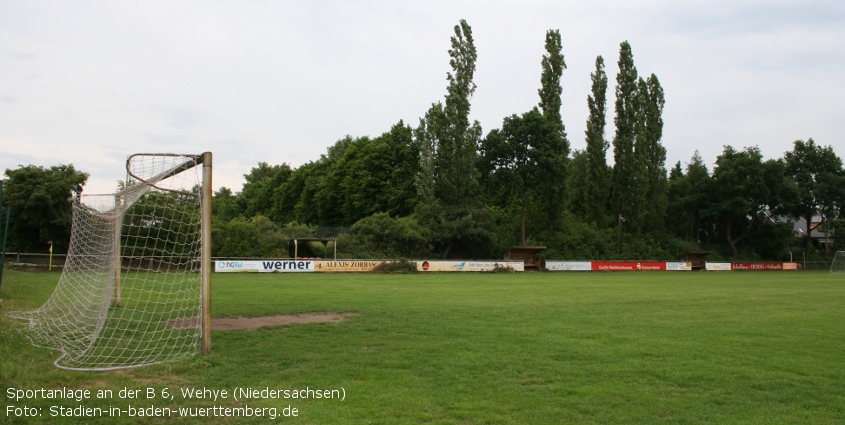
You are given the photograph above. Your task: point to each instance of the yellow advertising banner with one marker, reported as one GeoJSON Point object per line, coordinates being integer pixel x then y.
{"type": "Point", "coordinates": [328, 266]}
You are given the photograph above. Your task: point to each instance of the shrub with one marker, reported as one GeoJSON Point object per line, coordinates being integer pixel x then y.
{"type": "Point", "coordinates": [502, 268]}
{"type": "Point", "coordinates": [255, 237]}
{"type": "Point", "coordinates": [401, 266]}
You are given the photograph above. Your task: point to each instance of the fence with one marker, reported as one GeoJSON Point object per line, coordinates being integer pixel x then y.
{"type": "Point", "coordinates": [35, 259]}
{"type": "Point", "coordinates": [57, 261]}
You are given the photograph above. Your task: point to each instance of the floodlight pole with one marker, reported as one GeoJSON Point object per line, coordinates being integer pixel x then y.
{"type": "Point", "coordinates": [205, 257]}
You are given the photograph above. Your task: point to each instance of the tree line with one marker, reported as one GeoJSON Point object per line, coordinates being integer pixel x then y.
{"type": "Point", "coordinates": [445, 189]}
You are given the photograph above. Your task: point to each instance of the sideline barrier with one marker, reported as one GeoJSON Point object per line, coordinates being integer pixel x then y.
{"type": "Point", "coordinates": [329, 266]}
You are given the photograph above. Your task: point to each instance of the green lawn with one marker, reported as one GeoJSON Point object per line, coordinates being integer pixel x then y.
{"type": "Point", "coordinates": [530, 348]}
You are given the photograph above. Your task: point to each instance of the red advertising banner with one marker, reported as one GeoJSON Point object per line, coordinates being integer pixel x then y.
{"type": "Point", "coordinates": [633, 266]}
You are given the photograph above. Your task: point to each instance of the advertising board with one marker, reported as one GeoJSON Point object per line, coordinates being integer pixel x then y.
{"type": "Point", "coordinates": [756, 266]}
{"type": "Point", "coordinates": [263, 266]}
{"type": "Point", "coordinates": [678, 266]}
{"type": "Point", "coordinates": [467, 266]}
{"type": "Point", "coordinates": [573, 266]}
{"type": "Point", "coordinates": [717, 266]}
{"type": "Point", "coordinates": [345, 266]}
{"type": "Point", "coordinates": [627, 266]}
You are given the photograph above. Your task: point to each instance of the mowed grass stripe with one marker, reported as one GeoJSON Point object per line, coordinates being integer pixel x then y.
{"type": "Point", "coordinates": [757, 347]}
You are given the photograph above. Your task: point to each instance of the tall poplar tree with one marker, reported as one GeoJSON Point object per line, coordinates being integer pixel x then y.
{"type": "Point", "coordinates": [651, 152]}
{"type": "Point", "coordinates": [457, 146]}
{"type": "Point", "coordinates": [427, 135]}
{"type": "Point", "coordinates": [550, 91]}
{"type": "Point", "coordinates": [447, 182]}
{"type": "Point", "coordinates": [553, 191]}
{"type": "Point", "coordinates": [596, 191]}
{"type": "Point", "coordinates": [627, 197]}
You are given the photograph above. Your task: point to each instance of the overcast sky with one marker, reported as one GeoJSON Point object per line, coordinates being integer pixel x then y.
{"type": "Point", "coordinates": [90, 82]}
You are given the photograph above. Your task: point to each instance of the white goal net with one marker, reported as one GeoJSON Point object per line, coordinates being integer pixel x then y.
{"type": "Point", "coordinates": [130, 291]}
{"type": "Point", "coordinates": [838, 264]}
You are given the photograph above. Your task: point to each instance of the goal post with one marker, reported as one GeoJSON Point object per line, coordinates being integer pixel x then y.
{"type": "Point", "coordinates": [838, 263]}
{"type": "Point", "coordinates": [205, 267]}
{"type": "Point", "coordinates": [136, 286]}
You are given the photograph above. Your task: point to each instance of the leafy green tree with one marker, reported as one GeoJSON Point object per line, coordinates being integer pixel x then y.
{"type": "Point", "coordinates": [596, 189]}
{"type": "Point", "coordinates": [294, 200]}
{"type": "Point", "coordinates": [819, 184]}
{"type": "Point", "coordinates": [373, 175]}
{"type": "Point", "coordinates": [745, 192]}
{"type": "Point", "coordinates": [257, 194]}
{"type": "Point", "coordinates": [528, 150]}
{"type": "Point", "coordinates": [224, 205]}
{"type": "Point", "coordinates": [627, 196]}
{"type": "Point", "coordinates": [688, 196]}
{"type": "Point", "coordinates": [40, 199]}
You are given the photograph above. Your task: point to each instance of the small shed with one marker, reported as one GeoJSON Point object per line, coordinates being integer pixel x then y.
{"type": "Point", "coordinates": [697, 258]}
{"type": "Point", "coordinates": [527, 254]}
{"type": "Point", "coordinates": [323, 241]}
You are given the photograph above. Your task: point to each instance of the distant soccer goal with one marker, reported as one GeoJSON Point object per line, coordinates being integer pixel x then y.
{"type": "Point", "coordinates": [838, 264]}
{"type": "Point", "coordinates": [135, 289]}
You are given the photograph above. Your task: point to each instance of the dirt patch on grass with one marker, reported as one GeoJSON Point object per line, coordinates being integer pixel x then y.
{"type": "Point", "coordinates": [229, 323]}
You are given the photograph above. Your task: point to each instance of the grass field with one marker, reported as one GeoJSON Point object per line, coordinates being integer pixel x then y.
{"type": "Point", "coordinates": [530, 348]}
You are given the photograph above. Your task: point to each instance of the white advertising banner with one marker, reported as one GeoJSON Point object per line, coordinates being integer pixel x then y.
{"type": "Point", "coordinates": [264, 266]}
{"type": "Point", "coordinates": [717, 266]}
{"type": "Point", "coordinates": [467, 266]}
{"type": "Point", "coordinates": [573, 266]}
{"type": "Point", "coordinates": [678, 266]}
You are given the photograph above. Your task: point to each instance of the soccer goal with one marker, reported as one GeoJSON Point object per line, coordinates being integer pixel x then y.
{"type": "Point", "coordinates": [838, 264]}
{"type": "Point", "coordinates": [136, 286]}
